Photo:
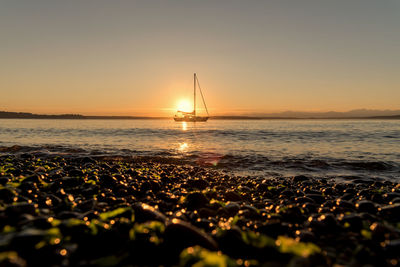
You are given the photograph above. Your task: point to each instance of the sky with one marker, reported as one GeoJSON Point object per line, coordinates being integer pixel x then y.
{"type": "Point", "coordinates": [99, 57]}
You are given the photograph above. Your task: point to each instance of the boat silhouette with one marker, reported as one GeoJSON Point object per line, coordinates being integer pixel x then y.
{"type": "Point", "coordinates": [191, 116]}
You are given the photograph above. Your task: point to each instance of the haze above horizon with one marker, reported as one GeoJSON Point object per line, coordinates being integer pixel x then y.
{"type": "Point", "coordinates": [138, 57]}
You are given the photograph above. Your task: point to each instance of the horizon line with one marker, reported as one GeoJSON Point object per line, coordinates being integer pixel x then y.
{"type": "Point", "coordinates": [345, 115]}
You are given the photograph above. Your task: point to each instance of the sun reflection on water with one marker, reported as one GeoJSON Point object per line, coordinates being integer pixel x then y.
{"type": "Point", "coordinates": [183, 147]}
{"type": "Point", "coordinates": [184, 126]}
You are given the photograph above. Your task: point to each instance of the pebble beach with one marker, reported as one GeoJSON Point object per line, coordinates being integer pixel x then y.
{"type": "Point", "coordinates": [58, 210]}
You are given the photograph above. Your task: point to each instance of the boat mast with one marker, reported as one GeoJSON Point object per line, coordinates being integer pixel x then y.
{"type": "Point", "coordinates": [202, 97]}
{"type": "Point", "coordinates": [194, 98]}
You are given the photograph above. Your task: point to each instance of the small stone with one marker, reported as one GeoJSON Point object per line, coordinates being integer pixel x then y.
{"type": "Point", "coordinates": [206, 212]}
{"type": "Point", "coordinates": [316, 197]}
{"type": "Point", "coordinates": [300, 178]}
{"type": "Point", "coordinates": [71, 181]}
{"type": "Point", "coordinates": [20, 208]}
{"type": "Point", "coordinates": [11, 259]}
{"type": "Point", "coordinates": [273, 228]}
{"type": "Point", "coordinates": [7, 195]}
{"type": "Point", "coordinates": [391, 212]}
{"type": "Point", "coordinates": [144, 213]}
{"type": "Point", "coordinates": [307, 236]}
{"type": "Point", "coordinates": [232, 196]}
{"type": "Point", "coordinates": [198, 184]}
{"type": "Point", "coordinates": [4, 180]}
{"type": "Point", "coordinates": [366, 206]}
{"type": "Point", "coordinates": [196, 200]}
{"type": "Point", "coordinates": [392, 248]}
{"type": "Point", "coordinates": [232, 208]}
{"type": "Point", "coordinates": [354, 221]}
{"type": "Point", "coordinates": [108, 180]}
{"type": "Point", "coordinates": [180, 234]}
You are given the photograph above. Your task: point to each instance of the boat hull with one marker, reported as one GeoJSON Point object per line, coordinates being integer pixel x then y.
{"type": "Point", "coordinates": [191, 119]}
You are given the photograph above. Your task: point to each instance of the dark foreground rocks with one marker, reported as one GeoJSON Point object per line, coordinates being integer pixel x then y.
{"type": "Point", "coordinates": [63, 211]}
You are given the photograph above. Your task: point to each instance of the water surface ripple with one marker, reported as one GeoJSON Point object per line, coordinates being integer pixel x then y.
{"type": "Point", "coordinates": [368, 148]}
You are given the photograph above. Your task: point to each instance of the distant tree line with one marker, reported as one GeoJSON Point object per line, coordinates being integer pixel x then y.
{"type": "Point", "coordinates": [26, 115]}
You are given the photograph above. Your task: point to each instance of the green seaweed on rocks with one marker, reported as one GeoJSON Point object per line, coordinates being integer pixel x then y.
{"type": "Point", "coordinates": [125, 212]}
{"type": "Point", "coordinates": [290, 245]}
{"type": "Point", "coordinates": [153, 231]}
{"type": "Point", "coordinates": [200, 257]}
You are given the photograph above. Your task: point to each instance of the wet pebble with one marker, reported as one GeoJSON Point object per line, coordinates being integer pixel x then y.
{"type": "Point", "coordinates": [366, 206]}
{"type": "Point", "coordinates": [180, 234]}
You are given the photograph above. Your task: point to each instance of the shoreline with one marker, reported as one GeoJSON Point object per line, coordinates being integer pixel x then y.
{"type": "Point", "coordinates": [318, 116]}
{"type": "Point", "coordinates": [211, 118]}
{"type": "Point", "coordinates": [87, 211]}
{"type": "Point", "coordinates": [338, 169]}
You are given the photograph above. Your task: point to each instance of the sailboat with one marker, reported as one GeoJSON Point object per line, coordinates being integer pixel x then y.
{"type": "Point", "coordinates": [191, 116]}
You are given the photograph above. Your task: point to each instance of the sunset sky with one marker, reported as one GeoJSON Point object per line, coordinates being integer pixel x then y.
{"type": "Point", "coordinates": [138, 57]}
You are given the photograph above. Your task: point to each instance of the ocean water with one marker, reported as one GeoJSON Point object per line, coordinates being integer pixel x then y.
{"type": "Point", "coordinates": [322, 148]}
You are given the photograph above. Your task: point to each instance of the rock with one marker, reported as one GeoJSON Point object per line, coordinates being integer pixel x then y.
{"type": "Point", "coordinates": [71, 181]}
{"type": "Point", "coordinates": [232, 196]}
{"type": "Point", "coordinates": [180, 234]}
{"type": "Point", "coordinates": [68, 215]}
{"type": "Point", "coordinates": [354, 221]}
{"type": "Point", "coordinates": [390, 196]}
{"type": "Point", "coordinates": [273, 228]}
{"type": "Point", "coordinates": [41, 223]}
{"type": "Point", "coordinates": [11, 259]}
{"type": "Point", "coordinates": [286, 193]}
{"type": "Point", "coordinates": [108, 180]}
{"type": "Point", "coordinates": [392, 248]}
{"type": "Point", "coordinates": [304, 200]}
{"type": "Point", "coordinates": [232, 208]}
{"type": "Point", "coordinates": [196, 200]}
{"type": "Point", "coordinates": [155, 186]}
{"type": "Point", "coordinates": [197, 183]}
{"type": "Point", "coordinates": [325, 223]}
{"type": "Point", "coordinates": [27, 239]}
{"type": "Point", "coordinates": [144, 213]}
{"type": "Point", "coordinates": [391, 212]}
{"type": "Point", "coordinates": [87, 205]}
{"type": "Point", "coordinates": [366, 206]}
{"type": "Point", "coordinates": [7, 195]}
{"type": "Point", "coordinates": [328, 191]}
{"type": "Point", "coordinates": [231, 241]}
{"type": "Point", "coordinates": [74, 172]}
{"type": "Point", "coordinates": [86, 160]}
{"type": "Point", "coordinates": [300, 178]}
{"type": "Point", "coordinates": [249, 212]}
{"type": "Point", "coordinates": [291, 213]}
{"type": "Point", "coordinates": [395, 200]}
{"type": "Point", "coordinates": [205, 212]}
{"type": "Point", "coordinates": [262, 187]}
{"type": "Point", "coordinates": [307, 236]}
{"type": "Point", "coordinates": [316, 197]}
{"type": "Point", "coordinates": [346, 205]}
{"type": "Point", "coordinates": [4, 180]}
{"type": "Point", "coordinates": [310, 207]}
{"type": "Point", "coordinates": [36, 178]}
{"type": "Point", "coordinates": [381, 232]}
{"type": "Point", "coordinates": [20, 208]}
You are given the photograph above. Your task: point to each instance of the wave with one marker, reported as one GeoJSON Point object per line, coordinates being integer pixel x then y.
{"type": "Point", "coordinates": [249, 163]}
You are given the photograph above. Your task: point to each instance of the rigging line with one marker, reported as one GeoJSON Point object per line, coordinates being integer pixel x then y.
{"type": "Point", "coordinates": [202, 97]}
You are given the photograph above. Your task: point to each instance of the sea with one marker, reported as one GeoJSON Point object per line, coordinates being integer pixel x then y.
{"type": "Point", "coordinates": [342, 149]}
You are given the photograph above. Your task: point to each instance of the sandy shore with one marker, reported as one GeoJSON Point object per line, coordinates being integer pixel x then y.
{"type": "Point", "coordinates": [81, 211]}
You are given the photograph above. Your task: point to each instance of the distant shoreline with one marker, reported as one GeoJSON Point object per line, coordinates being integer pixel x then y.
{"type": "Point", "coordinates": [21, 115]}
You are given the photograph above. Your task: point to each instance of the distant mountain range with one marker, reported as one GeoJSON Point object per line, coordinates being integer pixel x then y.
{"type": "Point", "coordinates": [353, 114]}
{"type": "Point", "coordinates": [24, 115]}
{"type": "Point", "coordinates": [357, 113]}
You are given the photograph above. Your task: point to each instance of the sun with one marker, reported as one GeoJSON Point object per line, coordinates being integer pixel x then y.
{"type": "Point", "coordinates": [184, 105]}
